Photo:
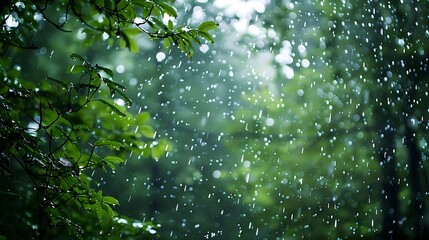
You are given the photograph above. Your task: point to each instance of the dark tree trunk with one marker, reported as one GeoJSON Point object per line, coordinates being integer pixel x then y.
{"type": "Point", "coordinates": [415, 179]}
{"type": "Point", "coordinates": [156, 182]}
{"type": "Point", "coordinates": [389, 192]}
{"type": "Point", "coordinates": [417, 174]}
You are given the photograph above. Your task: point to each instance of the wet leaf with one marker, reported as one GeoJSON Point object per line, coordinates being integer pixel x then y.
{"type": "Point", "coordinates": [106, 70]}
{"type": "Point", "coordinates": [206, 36]}
{"type": "Point", "coordinates": [142, 118]}
{"type": "Point", "coordinates": [171, 11]}
{"type": "Point", "coordinates": [108, 143]}
{"type": "Point", "coordinates": [147, 131]}
{"type": "Point", "coordinates": [110, 200]}
{"type": "Point", "coordinates": [81, 127]}
{"type": "Point", "coordinates": [207, 25]}
{"type": "Point", "coordinates": [73, 69]}
{"type": "Point", "coordinates": [63, 84]}
{"type": "Point", "coordinates": [114, 89]}
{"type": "Point", "coordinates": [112, 161]}
{"type": "Point", "coordinates": [76, 57]}
{"type": "Point", "coordinates": [113, 108]}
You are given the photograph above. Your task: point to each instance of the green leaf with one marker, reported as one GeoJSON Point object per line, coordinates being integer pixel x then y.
{"type": "Point", "coordinates": [152, 25]}
{"type": "Point", "coordinates": [206, 36]}
{"type": "Point", "coordinates": [14, 73]}
{"type": "Point", "coordinates": [71, 136]}
{"type": "Point", "coordinates": [108, 143]}
{"type": "Point", "coordinates": [90, 37]}
{"type": "Point", "coordinates": [110, 200]}
{"type": "Point", "coordinates": [106, 70]}
{"type": "Point", "coordinates": [207, 25]}
{"type": "Point", "coordinates": [108, 4]}
{"type": "Point", "coordinates": [156, 11]}
{"type": "Point", "coordinates": [84, 85]}
{"type": "Point", "coordinates": [59, 82]}
{"type": "Point", "coordinates": [76, 57]}
{"type": "Point", "coordinates": [157, 152]}
{"type": "Point", "coordinates": [130, 42]}
{"type": "Point", "coordinates": [85, 179]}
{"type": "Point", "coordinates": [125, 98]}
{"type": "Point", "coordinates": [146, 151]}
{"type": "Point", "coordinates": [131, 31]}
{"type": "Point", "coordinates": [167, 43]}
{"type": "Point", "coordinates": [98, 206]}
{"type": "Point", "coordinates": [171, 11]}
{"type": "Point", "coordinates": [170, 25]}
{"type": "Point", "coordinates": [141, 118]}
{"type": "Point", "coordinates": [73, 69]}
{"type": "Point", "coordinates": [160, 24]}
{"type": "Point", "coordinates": [113, 89]}
{"type": "Point", "coordinates": [184, 44]}
{"type": "Point", "coordinates": [81, 127]}
{"type": "Point", "coordinates": [72, 150]}
{"type": "Point", "coordinates": [112, 161]}
{"type": "Point", "coordinates": [95, 161]}
{"type": "Point", "coordinates": [147, 131]}
{"type": "Point", "coordinates": [107, 81]}
{"type": "Point", "coordinates": [113, 108]}
{"type": "Point", "coordinates": [64, 121]}
{"type": "Point", "coordinates": [194, 36]}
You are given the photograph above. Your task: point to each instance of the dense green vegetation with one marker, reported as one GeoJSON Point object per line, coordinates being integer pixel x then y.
{"type": "Point", "coordinates": [58, 130]}
{"type": "Point", "coordinates": [122, 119]}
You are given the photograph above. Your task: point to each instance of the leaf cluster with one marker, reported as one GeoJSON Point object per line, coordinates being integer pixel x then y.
{"type": "Point", "coordinates": [55, 132]}
{"type": "Point", "coordinates": [51, 132]}
{"type": "Point", "coordinates": [103, 20]}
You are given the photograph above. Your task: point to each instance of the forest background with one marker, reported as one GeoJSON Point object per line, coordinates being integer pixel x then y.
{"type": "Point", "coordinates": [303, 120]}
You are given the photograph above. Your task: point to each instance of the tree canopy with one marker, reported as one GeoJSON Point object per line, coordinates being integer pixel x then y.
{"type": "Point", "coordinates": [50, 135]}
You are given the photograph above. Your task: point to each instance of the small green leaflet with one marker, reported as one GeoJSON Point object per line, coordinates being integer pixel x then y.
{"type": "Point", "coordinates": [129, 41]}
{"type": "Point", "coordinates": [81, 127]}
{"type": "Point", "coordinates": [114, 89]}
{"type": "Point", "coordinates": [106, 70]}
{"type": "Point", "coordinates": [113, 108]}
{"type": "Point", "coordinates": [76, 56]}
{"type": "Point", "coordinates": [147, 131]}
{"type": "Point", "coordinates": [112, 161]}
{"type": "Point", "coordinates": [110, 200]}
{"type": "Point", "coordinates": [204, 28]}
{"type": "Point", "coordinates": [142, 117]}
{"type": "Point", "coordinates": [159, 23]}
{"type": "Point", "coordinates": [170, 25]}
{"type": "Point", "coordinates": [207, 25]}
{"type": "Point", "coordinates": [76, 69]}
{"type": "Point", "coordinates": [59, 82]}
{"type": "Point", "coordinates": [107, 81]}
{"type": "Point", "coordinates": [108, 143]}
{"type": "Point", "coordinates": [168, 9]}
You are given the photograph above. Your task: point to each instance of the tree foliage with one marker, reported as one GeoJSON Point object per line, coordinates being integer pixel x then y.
{"type": "Point", "coordinates": [55, 132]}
